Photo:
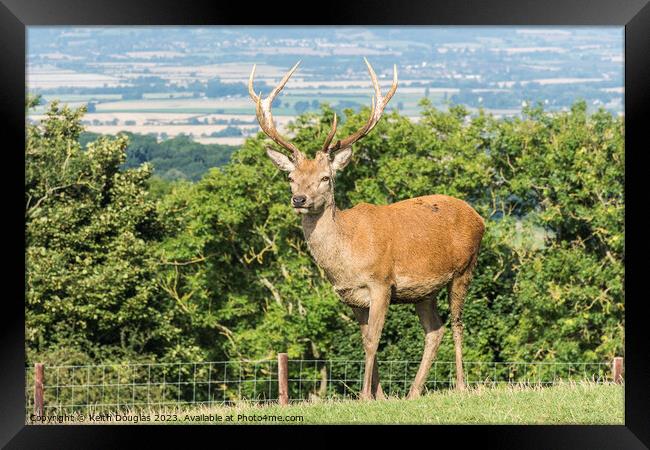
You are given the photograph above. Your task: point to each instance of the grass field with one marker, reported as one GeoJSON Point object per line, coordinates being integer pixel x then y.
{"type": "Point", "coordinates": [570, 403]}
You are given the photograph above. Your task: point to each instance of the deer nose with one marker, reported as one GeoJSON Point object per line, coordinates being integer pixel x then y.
{"type": "Point", "coordinates": [298, 200]}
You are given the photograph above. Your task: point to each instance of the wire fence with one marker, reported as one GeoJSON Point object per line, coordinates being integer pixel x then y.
{"type": "Point", "coordinates": [128, 386]}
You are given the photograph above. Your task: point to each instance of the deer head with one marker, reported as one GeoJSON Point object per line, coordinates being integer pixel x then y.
{"type": "Point", "coordinates": [312, 180]}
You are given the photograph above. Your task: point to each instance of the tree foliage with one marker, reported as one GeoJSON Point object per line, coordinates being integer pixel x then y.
{"type": "Point", "coordinates": [90, 233]}
{"type": "Point", "coordinates": [549, 283]}
{"type": "Point", "coordinates": [178, 158]}
{"type": "Point", "coordinates": [219, 268]}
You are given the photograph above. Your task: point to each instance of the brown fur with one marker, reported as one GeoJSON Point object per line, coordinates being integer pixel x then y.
{"type": "Point", "coordinates": [375, 255]}
{"type": "Point", "coordinates": [415, 246]}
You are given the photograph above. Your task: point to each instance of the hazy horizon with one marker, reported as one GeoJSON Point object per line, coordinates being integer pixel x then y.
{"type": "Point", "coordinates": [169, 80]}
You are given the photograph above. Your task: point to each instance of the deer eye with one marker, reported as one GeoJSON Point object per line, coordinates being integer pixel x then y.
{"type": "Point", "coordinates": [325, 179]}
{"type": "Point", "coordinates": [291, 180]}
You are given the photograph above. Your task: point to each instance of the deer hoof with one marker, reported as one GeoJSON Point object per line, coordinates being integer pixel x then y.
{"type": "Point", "coordinates": [365, 396]}
{"type": "Point", "coordinates": [412, 395]}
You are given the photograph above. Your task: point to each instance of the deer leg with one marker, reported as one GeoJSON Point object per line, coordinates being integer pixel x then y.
{"type": "Point", "coordinates": [379, 299]}
{"type": "Point", "coordinates": [361, 315]}
{"type": "Point", "coordinates": [457, 291]}
{"type": "Point", "coordinates": [433, 331]}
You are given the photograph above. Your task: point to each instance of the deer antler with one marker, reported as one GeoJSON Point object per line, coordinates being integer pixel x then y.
{"type": "Point", "coordinates": [330, 136]}
{"type": "Point", "coordinates": [263, 112]}
{"type": "Point", "coordinates": [378, 105]}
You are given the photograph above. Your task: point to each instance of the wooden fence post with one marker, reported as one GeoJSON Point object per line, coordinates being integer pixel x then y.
{"type": "Point", "coordinates": [617, 369]}
{"type": "Point", "coordinates": [283, 379]}
{"type": "Point", "coordinates": [39, 379]}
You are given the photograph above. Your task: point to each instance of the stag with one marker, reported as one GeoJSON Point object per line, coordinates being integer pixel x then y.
{"type": "Point", "coordinates": [377, 255]}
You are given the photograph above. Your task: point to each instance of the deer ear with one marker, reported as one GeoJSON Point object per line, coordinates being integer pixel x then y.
{"type": "Point", "coordinates": [341, 158]}
{"type": "Point", "coordinates": [280, 160]}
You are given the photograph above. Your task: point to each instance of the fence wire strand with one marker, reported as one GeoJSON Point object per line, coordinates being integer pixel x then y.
{"type": "Point", "coordinates": [113, 387]}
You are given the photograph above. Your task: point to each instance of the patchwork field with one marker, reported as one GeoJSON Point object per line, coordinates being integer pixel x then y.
{"type": "Point", "coordinates": [201, 117]}
{"type": "Point", "coordinates": [177, 111]}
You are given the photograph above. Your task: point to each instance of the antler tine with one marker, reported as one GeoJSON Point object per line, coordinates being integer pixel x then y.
{"type": "Point", "coordinates": [377, 108]}
{"type": "Point", "coordinates": [330, 136]}
{"type": "Point", "coordinates": [251, 91]}
{"type": "Point", "coordinates": [393, 87]}
{"type": "Point", "coordinates": [284, 80]}
{"type": "Point", "coordinates": [373, 78]}
{"type": "Point", "coordinates": [263, 112]}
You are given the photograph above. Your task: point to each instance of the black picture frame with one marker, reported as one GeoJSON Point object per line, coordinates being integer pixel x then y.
{"type": "Point", "coordinates": [634, 15]}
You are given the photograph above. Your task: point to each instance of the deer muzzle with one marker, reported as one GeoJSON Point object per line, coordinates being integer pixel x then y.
{"type": "Point", "coordinates": [298, 201]}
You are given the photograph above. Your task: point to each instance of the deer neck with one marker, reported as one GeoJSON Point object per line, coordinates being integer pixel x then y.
{"type": "Point", "coordinates": [323, 235]}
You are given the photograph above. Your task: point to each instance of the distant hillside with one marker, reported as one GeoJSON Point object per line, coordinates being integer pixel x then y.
{"type": "Point", "coordinates": [172, 159]}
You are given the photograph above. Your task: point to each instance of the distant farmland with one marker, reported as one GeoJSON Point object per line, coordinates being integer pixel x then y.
{"type": "Point", "coordinates": [201, 117]}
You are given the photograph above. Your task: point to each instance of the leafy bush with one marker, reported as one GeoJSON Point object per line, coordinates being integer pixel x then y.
{"type": "Point", "coordinates": [177, 158]}
{"type": "Point", "coordinates": [549, 283]}
{"type": "Point", "coordinates": [91, 231]}
{"type": "Point", "coordinates": [219, 269]}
